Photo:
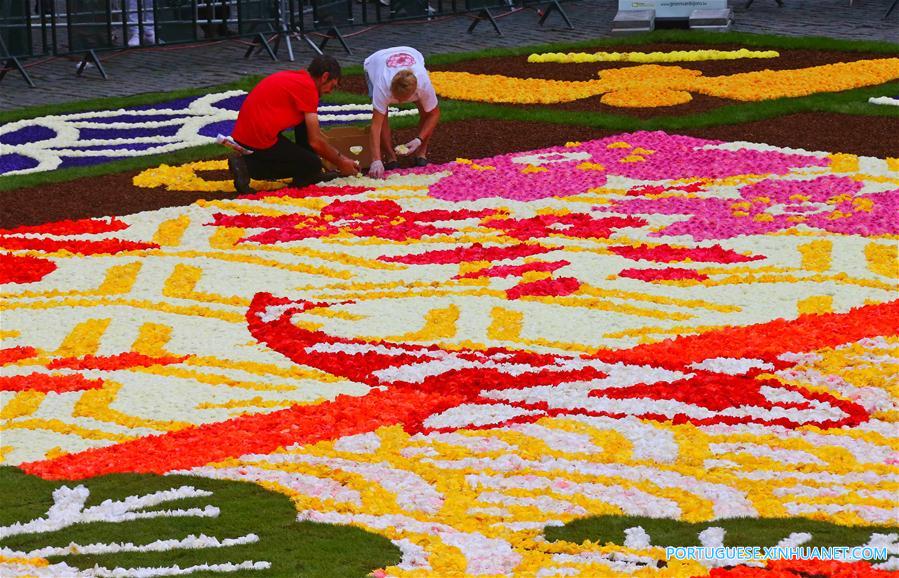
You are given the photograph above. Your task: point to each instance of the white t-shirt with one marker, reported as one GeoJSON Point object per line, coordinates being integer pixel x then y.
{"type": "Point", "coordinates": [382, 66]}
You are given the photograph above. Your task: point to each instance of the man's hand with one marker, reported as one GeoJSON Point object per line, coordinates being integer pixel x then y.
{"type": "Point", "coordinates": [376, 170]}
{"type": "Point", "coordinates": [347, 166]}
{"type": "Point", "coordinates": [410, 147]}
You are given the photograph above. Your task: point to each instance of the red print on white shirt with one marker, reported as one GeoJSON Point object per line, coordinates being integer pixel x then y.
{"type": "Point", "coordinates": [400, 60]}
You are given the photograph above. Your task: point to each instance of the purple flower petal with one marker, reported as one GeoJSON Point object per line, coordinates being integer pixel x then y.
{"type": "Point", "coordinates": [215, 128]}
{"type": "Point", "coordinates": [68, 162]}
{"type": "Point", "coordinates": [16, 162]}
{"type": "Point", "coordinates": [111, 133]}
{"type": "Point", "coordinates": [27, 134]}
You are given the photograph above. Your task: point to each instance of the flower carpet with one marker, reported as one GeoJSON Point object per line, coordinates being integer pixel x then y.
{"type": "Point", "coordinates": [551, 362]}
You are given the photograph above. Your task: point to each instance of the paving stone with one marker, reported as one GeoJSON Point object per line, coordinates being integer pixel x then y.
{"type": "Point", "coordinates": [165, 68]}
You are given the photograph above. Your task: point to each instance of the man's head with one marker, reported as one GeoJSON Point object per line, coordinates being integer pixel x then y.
{"type": "Point", "coordinates": [325, 71]}
{"type": "Point", "coordinates": [403, 85]}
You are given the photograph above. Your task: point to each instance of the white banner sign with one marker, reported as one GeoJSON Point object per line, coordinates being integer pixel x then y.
{"type": "Point", "coordinates": [672, 8]}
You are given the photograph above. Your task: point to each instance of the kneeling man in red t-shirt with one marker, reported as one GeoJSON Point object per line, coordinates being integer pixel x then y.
{"type": "Point", "coordinates": [280, 101]}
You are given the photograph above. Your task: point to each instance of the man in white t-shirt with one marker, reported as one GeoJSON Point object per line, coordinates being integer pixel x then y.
{"type": "Point", "coordinates": [396, 75]}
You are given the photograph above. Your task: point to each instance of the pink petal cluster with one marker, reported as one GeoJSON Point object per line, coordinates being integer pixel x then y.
{"type": "Point", "coordinates": [830, 203]}
{"type": "Point", "coordinates": [574, 170]}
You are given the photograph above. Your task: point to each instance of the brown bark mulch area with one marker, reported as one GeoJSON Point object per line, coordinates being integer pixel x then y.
{"type": "Point", "coordinates": [115, 195]}
{"type": "Point", "coordinates": [519, 67]}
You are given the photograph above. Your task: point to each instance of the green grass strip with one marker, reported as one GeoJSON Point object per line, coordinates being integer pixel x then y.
{"type": "Point", "coordinates": [295, 549]}
{"type": "Point", "coordinates": [749, 532]}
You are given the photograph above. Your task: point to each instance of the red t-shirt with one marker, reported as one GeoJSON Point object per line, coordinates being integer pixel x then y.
{"type": "Point", "coordinates": [277, 103]}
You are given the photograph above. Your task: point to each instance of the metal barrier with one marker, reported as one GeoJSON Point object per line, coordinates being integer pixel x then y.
{"type": "Point", "coordinates": [35, 28]}
{"type": "Point", "coordinates": [15, 37]}
{"type": "Point", "coordinates": [329, 17]}
{"type": "Point", "coordinates": [483, 8]}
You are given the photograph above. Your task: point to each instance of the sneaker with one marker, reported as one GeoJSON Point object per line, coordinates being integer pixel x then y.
{"type": "Point", "coordinates": [238, 168]}
{"type": "Point", "coordinates": [421, 162]}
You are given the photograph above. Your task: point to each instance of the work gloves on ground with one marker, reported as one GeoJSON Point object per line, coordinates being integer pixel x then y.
{"type": "Point", "coordinates": [376, 170]}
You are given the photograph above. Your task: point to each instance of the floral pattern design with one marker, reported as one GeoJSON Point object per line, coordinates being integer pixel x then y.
{"type": "Point", "coordinates": [459, 356]}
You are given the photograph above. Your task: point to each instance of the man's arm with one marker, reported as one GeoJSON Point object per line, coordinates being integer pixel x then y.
{"type": "Point", "coordinates": [324, 149]}
{"type": "Point", "coordinates": [426, 124]}
{"type": "Point", "coordinates": [377, 125]}
{"type": "Point", "coordinates": [428, 121]}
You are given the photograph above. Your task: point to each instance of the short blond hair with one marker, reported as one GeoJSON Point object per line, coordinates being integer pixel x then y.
{"type": "Point", "coordinates": [403, 85]}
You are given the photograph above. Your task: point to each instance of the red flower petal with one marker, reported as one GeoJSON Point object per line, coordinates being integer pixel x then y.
{"type": "Point", "coordinates": [16, 269]}
{"type": "Point", "coordinates": [667, 274]}
{"type": "Point", "coordinates": [113, 362]}
{"type": "Point", "coordinates": [79, 227]}
{"type": "Point", "coordinates": [476, 252]}
{"type": "Point", "coordinates": [104, 247]}
{"type": "Point", "coordinates": [545, 288]}
{"type": "Point", "coordinates": [14, 354]}
{"type": "Point", "coordinates": [47, 383]}
{"type": "Point", "coordinates": [667, 253]}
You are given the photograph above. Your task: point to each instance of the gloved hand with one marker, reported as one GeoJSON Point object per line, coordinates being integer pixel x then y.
{"type": "Point", "coordinates": [412, 145]}
{"type": "Point", "coordinates": [376, 170]}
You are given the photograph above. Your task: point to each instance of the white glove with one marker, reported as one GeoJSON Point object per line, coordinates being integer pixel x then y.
{"type": "Point", "coordinates": [376, 170]}
{"type": "Point", "coordinates": [413, 145]}
{"type": "Point", "coordinates": [232, 144]}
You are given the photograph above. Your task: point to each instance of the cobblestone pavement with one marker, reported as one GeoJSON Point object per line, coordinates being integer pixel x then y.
{"type": "Point", "coordinates": [184, 66]}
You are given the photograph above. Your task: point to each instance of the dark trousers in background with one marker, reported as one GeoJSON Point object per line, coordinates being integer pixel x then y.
{"type": "Point", "coordinates": [287, 159]}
